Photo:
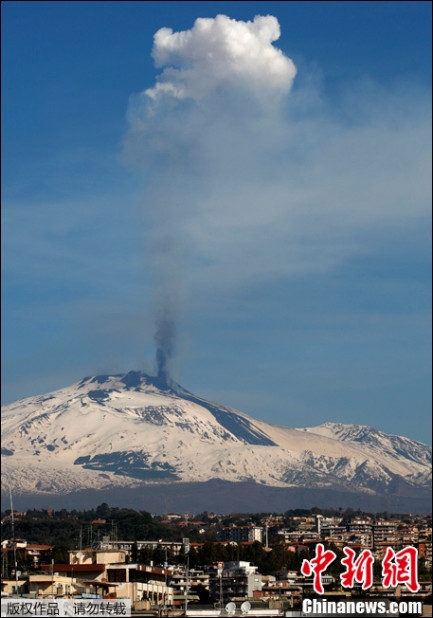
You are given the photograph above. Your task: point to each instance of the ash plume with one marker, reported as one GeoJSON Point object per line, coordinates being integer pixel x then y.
{"type": "Point", "coordinates": [166, 260]}
{"type": "Point", "coordinates": [164, 340]}
{"type": "Point", "coordinates": [188, 132]}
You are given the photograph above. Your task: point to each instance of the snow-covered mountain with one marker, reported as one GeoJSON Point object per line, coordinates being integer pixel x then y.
{"type": "Point", "coordinates": [135, 430]}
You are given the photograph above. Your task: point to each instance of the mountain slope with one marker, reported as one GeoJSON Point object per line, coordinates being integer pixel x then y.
{"type": "Point", "coordinates": [133, 430]}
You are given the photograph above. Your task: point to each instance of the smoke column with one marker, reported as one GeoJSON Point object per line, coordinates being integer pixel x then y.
{"type": "Point", "coordinates": [189, 134]}
{"type": "Point", "coordinates": [166, 261]}
{"type": "Point", "coordinates": [164, 340]}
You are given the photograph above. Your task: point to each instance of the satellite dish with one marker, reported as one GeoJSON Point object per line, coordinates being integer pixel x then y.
{"type": "Point", "coordinates": [78, 556]}
{"type": "Point", "coordinates": [230, 609]}
{"type": "Point", "coordinates": [245, 607]}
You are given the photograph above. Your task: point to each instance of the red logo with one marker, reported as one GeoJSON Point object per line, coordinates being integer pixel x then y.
{"type": "Point", "coordinates": [401, 568]}
{"type": "Point", "coordinates": [397, 568]}
{"type": "Point", "coordinates": [318, 565]}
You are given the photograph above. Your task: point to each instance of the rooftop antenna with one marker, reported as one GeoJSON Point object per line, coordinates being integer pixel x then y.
{"type": "Point", "coordinates": [12, 515]}
{"type": "Point", "coordinates": [187, 583]}
{"type": "Point", "coordinates": [220, 575]}
{"type": "Point", "coordinates": [14, 542]}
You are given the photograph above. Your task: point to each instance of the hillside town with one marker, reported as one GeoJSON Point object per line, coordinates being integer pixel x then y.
{"type": "Point", "coordinates": [209, 561]}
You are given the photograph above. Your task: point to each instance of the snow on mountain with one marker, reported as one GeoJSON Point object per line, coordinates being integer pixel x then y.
{"type": "Point", "coordinates": [134, 429]}
{"type": "Point", "coordinates": [401, 450]}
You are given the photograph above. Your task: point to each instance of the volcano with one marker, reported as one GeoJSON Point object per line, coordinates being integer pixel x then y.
{"type": "Point", "coordinates": [145, 442]}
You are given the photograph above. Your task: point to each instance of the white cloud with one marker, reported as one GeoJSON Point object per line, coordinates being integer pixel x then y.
{"type": "Point", "coordinates": [221, 53]}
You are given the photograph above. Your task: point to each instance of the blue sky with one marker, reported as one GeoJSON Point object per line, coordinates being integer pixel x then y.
{"type": "Point", "coordinates": [262, 185]}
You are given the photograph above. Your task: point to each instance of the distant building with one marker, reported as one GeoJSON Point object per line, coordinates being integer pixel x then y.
{"type": "Point", "coordinates": [105, 573]}
{"type": "Point", "coordinates": [241, 534]}
{"type": "Point", "coordinates": [175, 547]}
{"type": "Point", "coordinates": [233, 579]}
{"type": "Point", "coordinates": [385, 532]}
{"type": "Point", "coordinates": [328, 522]}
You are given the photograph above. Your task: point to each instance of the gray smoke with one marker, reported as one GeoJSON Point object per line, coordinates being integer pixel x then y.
{"type": "Point", "coordinates": [166, 261]}
{"type": "Point", "coordinates": [164, 340]}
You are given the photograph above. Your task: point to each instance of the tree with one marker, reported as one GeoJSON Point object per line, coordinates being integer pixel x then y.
{"type": "Point", "coordinates": [145, 555]}
{"type": "Point", "coordinates": [103, 511]}
{"type": "Point", "coordinates": [61, 554]}
{"type": "Point", "coordinates": [208, 553]}
{"type": "Point", "coordinates": [134, 552]}
{"type": "Point", "coordinates": [159, 555]}
{"type": "Point", "coordinates": [193, 558]}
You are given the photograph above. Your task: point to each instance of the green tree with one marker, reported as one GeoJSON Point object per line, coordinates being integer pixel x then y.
{"type": "Point", "coordinates": [134, 552]}
{"type": "Point", "coordinates": [103, 511]}
{"type": "Point", "coordinates": [208, 553]}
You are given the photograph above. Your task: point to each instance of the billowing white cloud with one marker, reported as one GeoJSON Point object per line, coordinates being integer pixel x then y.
{"type": "Point", "coordinates": [221, 53]}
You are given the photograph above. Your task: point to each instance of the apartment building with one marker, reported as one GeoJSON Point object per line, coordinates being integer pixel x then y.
{"type": "Point", "coordinates": [241, 534]}
{"type": "Point", "coordinates": [233, 579]}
